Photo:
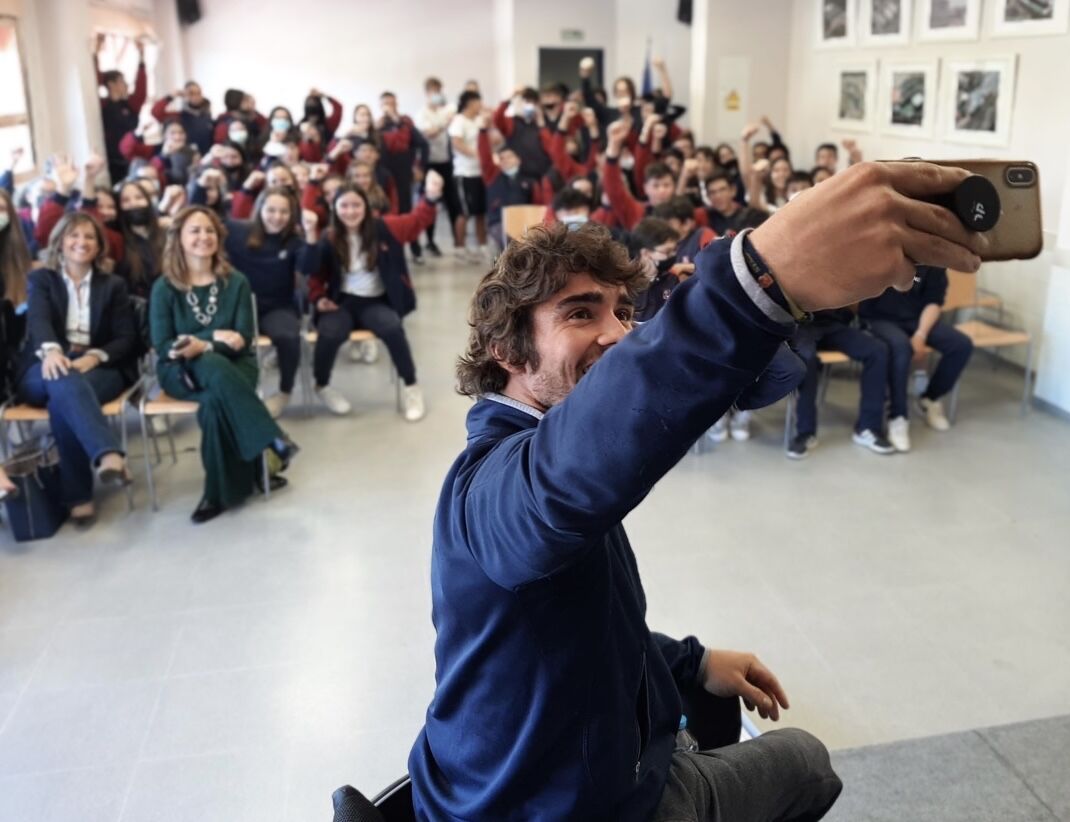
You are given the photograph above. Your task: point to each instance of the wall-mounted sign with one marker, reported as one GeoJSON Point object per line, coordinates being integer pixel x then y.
{"type": "Point", "coordinates": [731, 101]}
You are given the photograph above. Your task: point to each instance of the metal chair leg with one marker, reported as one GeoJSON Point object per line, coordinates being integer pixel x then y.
{"type": "Point", "coordinates": [145, 452]}
{"type": "Point", "coordinates": [1026, 389]}
{"type": "Point", "coordinates": [953, 406]}
{"type": "Point", "coordinates": [171, 439]}
{"type": "Point", "coordinates": [789, 420]}
{"type": "Point", "coordinates": [267, 475]}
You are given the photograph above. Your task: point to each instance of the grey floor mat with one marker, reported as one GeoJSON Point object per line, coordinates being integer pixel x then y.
{"type": "Point", "coordinates": [1013, 773]}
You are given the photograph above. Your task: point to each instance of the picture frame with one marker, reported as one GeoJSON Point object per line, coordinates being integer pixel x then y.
{"type": "Point", "coordinates": [949, 20]}
{"type": "Point", "coordinates": [908, 98]}
{"type": "Point", "coordinates": [835, 23]}
{"type": "Point", "coordinates": [1026, 18]}
{"type": "Point", "coordinates": [856, 96]}
{"type": "Point", "coordinates": [885, 22]}
{"type": "Point", "coordinates": [978, 100]}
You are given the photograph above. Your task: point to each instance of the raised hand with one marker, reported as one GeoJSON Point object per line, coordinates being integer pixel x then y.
{"type": "Point", "coordinates": [254, 181]}
{"type": "Point", "coordinates": [748, 132]}
{"type": "Point", "coordinates": [434, 185]}
{"type": "Point", "coordinates": [64, 172]}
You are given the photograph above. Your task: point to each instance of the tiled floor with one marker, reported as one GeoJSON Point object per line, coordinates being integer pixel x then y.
{"type": "Point", "coordinates": [151, 670]}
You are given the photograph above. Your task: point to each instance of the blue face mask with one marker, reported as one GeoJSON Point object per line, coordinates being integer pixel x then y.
{"type": "Point", "coordinates": [574, 221]}
{"type": "Point", "coordinates": [280, 124]}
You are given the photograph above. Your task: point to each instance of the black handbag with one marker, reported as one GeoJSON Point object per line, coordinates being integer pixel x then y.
{"type": "Point", "coordinates": [35, 511]}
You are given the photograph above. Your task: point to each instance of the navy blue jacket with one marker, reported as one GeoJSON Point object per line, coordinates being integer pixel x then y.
{"type": "Point", "coordinates": [905, 307]}
{"type": "Point", "coordinates": [553, 698]}
{"type": "Point", "coordinates": [271, 268]}
{"type": "Point", "coordinates": [327, 280]}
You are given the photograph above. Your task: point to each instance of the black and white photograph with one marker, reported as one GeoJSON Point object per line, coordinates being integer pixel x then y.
{"type": "Point", "coordinates": [885, 22]}
{"type": "Point", "coordinates": [835, 23]}
{"type": "Point", "coordinates": [980, 97]}
{"type": "Point", "coordinates": [976, 100]}
{"type": "Point", "coordinates": [856, 95]}
{"type": "Point", "coordinates": [853, 95]}
{"type": "Point", "coordinates": [950, 19]}
{"type": "Point", "coordinates": [908, 98]}
{"type": "Point", "coordinates": [1015, 18]}
{"type": "Point", "coordinates": [834, 15]}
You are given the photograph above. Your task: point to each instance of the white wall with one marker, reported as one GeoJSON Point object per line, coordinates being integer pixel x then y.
{"type": "Point", "coordinates": [1040, 131]}
{"type": "Point", "coordinates": [754, 31]}
{"type": "Point", "coordinates": [638, 20]}
{"type": "Point", "coordinates": [538, 23]}
{"type": "Point", "coordinates": [279, 49]}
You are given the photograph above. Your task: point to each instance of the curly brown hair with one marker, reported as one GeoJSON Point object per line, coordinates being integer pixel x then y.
{"type": "Point", "coordinates": [529, 272]}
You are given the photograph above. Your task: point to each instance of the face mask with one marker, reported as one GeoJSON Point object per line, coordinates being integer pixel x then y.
{"type": "Point", "coordinates": [5, 221]}
{"type": "Point", "coordinates": [627, 163]}
{"type": "Point", "coordinates": [511, 172]}
{"type": "Point", "coordinates": [529, 109]}
{"type": "Point", "coordinates": [238, 136]}
{"type": "Point", "coordinates": [438, 99]}
{"type": "Point", "coordinates": [574, 221]}
{"type": "Point", "coordinates": [665, 265]}
{"type": "Point", "coordinates": [139, 216]}
{"type": "Point", "coordinates": [280, 124]}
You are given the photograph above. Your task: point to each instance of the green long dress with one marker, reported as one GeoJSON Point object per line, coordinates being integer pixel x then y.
{"type": "Point", "coordinates": [235, 425]}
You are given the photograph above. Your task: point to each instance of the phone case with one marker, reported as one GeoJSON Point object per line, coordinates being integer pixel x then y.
{"type": "Point", "coordinates": [1018, 235]}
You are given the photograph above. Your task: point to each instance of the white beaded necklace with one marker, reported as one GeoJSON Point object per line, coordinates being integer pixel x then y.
{"type": "Point", "coordinates": [204, 317]}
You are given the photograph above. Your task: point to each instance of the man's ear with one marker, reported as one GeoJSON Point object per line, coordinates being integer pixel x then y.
{"type": "Point", "coordinates": [509, 368]}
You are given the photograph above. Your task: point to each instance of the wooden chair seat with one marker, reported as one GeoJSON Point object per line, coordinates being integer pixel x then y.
{"type": "Point", "coordinates": [263, 341]}
{"type": "Point", "coordinates": [516, 219]}
{"type": "Point", "coordinates": [360, 335]}
{"type": "Point", "coordinates": [832, 357]}
{"type": "Point", "coordinates": [166, 404]}
{"type": "Point", "coordinates": [984, 335]}
{"type": "Point", "coordinates": [31, 413]}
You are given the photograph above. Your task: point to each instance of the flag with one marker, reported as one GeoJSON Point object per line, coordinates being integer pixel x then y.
{"type": "Point", "coordinates": [648, 80]}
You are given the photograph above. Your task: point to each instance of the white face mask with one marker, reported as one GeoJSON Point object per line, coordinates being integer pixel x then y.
{"type": "Point", "coordinates": [574, 221]}
{"type": "Point", "coordinates": [627, 162]}
{"type": "Point", "coordinates": [5, 220]}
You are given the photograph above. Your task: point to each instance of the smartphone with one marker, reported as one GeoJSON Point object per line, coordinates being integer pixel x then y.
{"type": "Point", "coordinates": [180, 343]}
{"type": "Point", "coordinates": [1018, 235]}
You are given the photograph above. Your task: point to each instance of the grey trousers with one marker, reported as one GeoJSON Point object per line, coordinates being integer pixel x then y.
{"type": "Point", "coordinates": [781, 775]}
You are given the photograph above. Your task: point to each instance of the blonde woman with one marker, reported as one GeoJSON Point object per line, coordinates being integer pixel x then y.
{"type": "Point", "coordinates": [201, 317]}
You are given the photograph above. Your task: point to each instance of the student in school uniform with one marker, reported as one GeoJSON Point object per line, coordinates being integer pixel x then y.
{"type": "Point", "coordinates": [362, 281]}
{"type": "Point", "coordinates": [433, 121]}
{"type": "Point", "coordinates": [658, 184]}
{"type": "Point", "coordinates": [504, 182]}
{"type": "Point", "coordinates": [400, 162]}
{"type": "Point", "coordinates": [195, 114]}
{"type": "Point", "coordinates": [680, 214]}
{"type": "Point", "coordinates": [525, 132]}
{"type": "Point", "coordinates": [119, 110]}
{"type": "Point", "coordinates": [909, 322]}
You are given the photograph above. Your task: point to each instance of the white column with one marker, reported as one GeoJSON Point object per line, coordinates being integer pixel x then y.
{"type": "Point", "coordinates": [702, 112]}
{"type": "Point", "coordinates": [64, 103]}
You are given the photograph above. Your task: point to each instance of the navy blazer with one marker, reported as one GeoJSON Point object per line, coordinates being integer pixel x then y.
{"type": "Point", "coordinates": [112, 327]}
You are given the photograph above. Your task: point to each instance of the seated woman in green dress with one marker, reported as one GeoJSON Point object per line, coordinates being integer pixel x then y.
{"type": "Point", "coordinates": [201, 318]}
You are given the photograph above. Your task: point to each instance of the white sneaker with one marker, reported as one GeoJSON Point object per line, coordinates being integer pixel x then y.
{"type": "Point", "coordinates": [899, 434]}
{"type": "Point", "coordinates": [369, 351]}
{"type": "Point", "coordinates": [933, 413]}
{"type": "Point", "coordinates": [874, 442]}
{"type": "Point", "coordinates": [270, 360]}
{"type": "Point", "coordinates": [158, 424]}
{"type": "Point", "coordinates": [739, 426]}
{"type": "Point", "coordinates": [488, 254]}
{"type": "Point", "coordinates": [475, 256]}
{"type": "Point", "coordinates": [333, 399]}
{"type": "Point", "coordinates": [412, 403]}
{"type": "Point", "coordinates": [460, 253]}
{"type": "Point", "coordinates": [356, 351]}
{"type": "Point", "coordinates": [719, 432]}
{"type": "Point", "coordinates": [277, 404]}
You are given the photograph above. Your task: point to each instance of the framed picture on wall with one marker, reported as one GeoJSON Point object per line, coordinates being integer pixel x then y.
{"type": "Point", "coordinates": [835, 23]}
{"type": "Point", "coordinates": [1016, 18]}
{"type": "Point", "coordinates": [856, 95]}
{"type": "Point", "coordinates": [979, 100]}
{"type": "Point", "coordinates": [949, 19]}
{"type": "Point", "coordinates": [885, 22]}
{"type": "Point", "coordinates": [908, 98]}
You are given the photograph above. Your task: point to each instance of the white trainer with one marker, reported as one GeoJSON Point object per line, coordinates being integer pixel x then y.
{"type": "Point", "coordinates": [333, 399]}
{"type": "Point", "coordinates": [739, 426]}
{"type": "Point", "coordinates": [277, 404]}
{"type": "Point", "coordinates": [899, 434]}
{"type": "Point", "coordinates": [932, 411]}
{"type": "Point", "coordinates": [356, 351]}
{"type": "Point", "coordinates": [412, 403]}
{"type": "Point", "coordinates": [369, 351]}
{"type": "Point", "coordinates": [719, 432]}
